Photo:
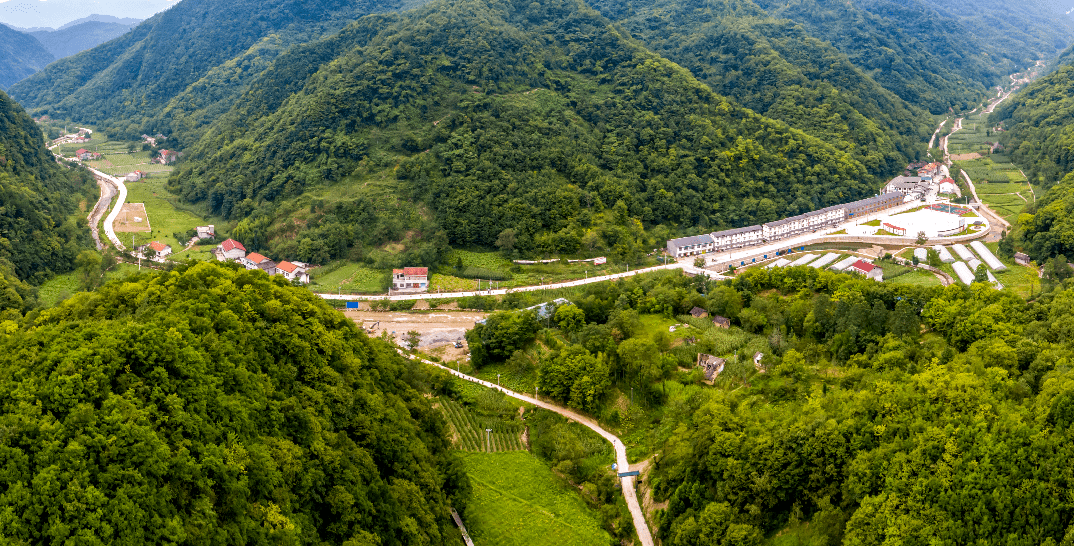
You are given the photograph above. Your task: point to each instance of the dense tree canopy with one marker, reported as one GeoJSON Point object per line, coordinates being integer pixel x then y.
{"type": "Point", "coordinates": [39, 232]}
{"type": "Point", "coordinates": [215, 406]}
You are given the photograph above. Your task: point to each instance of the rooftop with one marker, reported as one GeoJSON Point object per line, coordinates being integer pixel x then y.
{"type": "Point", "coordinates": [232, 244]}
{"type": "Point", "coordinates": [694, 240]}
{"type": "Point", "coordinates": [286, 267]}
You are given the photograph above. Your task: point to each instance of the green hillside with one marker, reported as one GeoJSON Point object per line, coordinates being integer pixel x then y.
{"type": "Point", "coordinates": [209, 405]}
{"type": "Point", "coordinates": [40, 234]}
{"type": "Point", "coordinates": [938, 60]}
{"type": "Point", "coordinates": [497, 116]}
{"type": "Point", "coordinates": [74, 39]}
{"type": "Point", "coordinates": [20, 56]}
{"type": "Point", "coordinates": [774, 68]}
{"type": "Point", "coordinates": [122, 86]}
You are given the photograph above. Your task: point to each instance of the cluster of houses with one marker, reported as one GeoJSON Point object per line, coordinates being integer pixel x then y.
{"type": "Point", "coordinates": [232, 251]}
{"type": "Point", "coordinates": [730, 239]}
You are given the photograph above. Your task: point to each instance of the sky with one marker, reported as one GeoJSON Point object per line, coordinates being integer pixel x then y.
{"type": "Point", "coordinates": [56, 13]}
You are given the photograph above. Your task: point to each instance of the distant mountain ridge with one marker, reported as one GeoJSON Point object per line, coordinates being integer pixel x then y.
{"type": "Point", "coordinates": [20, 56]}
{"type": "Point", "coordinates": [76, 38]}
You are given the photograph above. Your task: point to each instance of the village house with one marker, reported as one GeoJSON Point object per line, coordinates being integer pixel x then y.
{"type": "Point", "coordinates": [698, 312]}
{"type": "Point", "coordinates": [293, 272]}
{"type": "Point", "coordinates": [229, 250]}
{"type": "Point", "coordinates": [135, 176]}
{"type": "Point", "coordinates": [206, 232]}
{"type": "Point", "coordinates": [167, 157]}
{"type": "Point", "coordinates": [1021, 259]}
{"type": "Point", "coordinates": [254, 260]}
{"type": "Point", "coordinates": [86, 155]}
{"type": "Point", "coordinates": [415, 279]}
{"type": "Point", "coordinates": [868, 270]}
{"type": "Point", "coordinates": [712, 365]}
{"type": "Point", "coordinates": [155, 251]}
{"type": "Point", "coordinates": [722, 322]}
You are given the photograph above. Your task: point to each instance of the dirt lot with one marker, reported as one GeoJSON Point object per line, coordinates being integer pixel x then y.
{"type": "Point", "coordinates": [965, 157]}
{"type": "Point", "coordinates": [132, 218]}
{"type": "Point", "coordinates": [439, 331]}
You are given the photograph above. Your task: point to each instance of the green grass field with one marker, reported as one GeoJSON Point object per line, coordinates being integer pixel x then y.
{"type": "Point", "coordinates": [349, 277]}
{"type": "Point", "coordinates": [57, 289]}
{"type": "Point", "coordinates": [164, 217]}
{"type": "Point", "coordinates": [519, 502]}
{"type": "Point", "coordinates": [916, 278]}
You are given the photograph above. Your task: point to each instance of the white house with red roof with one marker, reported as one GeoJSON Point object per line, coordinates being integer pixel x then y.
{"type": "Point", "coordinates": [411, 279]}
{"type": "Point", "coordinates": [868, 270]}
{"type": "Point", "coordinates": [155, 251]}
{"type": "Point", "coordinates": [230, 250]}
{"type": "Point", "coordinates": [254, 260]}
{"type": "Point", "coordinates": [86, 155]}
{"type": "Point", "coordinates": [292, 272]}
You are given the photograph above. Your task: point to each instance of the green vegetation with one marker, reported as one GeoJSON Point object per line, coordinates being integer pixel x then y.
{"type": "Point", "coordinates": [519, 502]}
{"type": "Point", "coordinates": [42, 228]}
{"type": "Point", "coordinates": [469, 430]}
{"type": "Point", "coordinates": [916, 277]}
{"type": "Point", "coordinates": [208, 412]}
{"type": "Point", "coordinates": [167, 216]}
{"type": "Point", "coordinates": [618, 163]}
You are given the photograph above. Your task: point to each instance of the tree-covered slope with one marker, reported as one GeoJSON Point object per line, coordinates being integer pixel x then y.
{"type": "Point", "coordinates": [123, 84]}
{"type": "Point", "coordinates": [510, 116]}
{"type": "Point", "coordinates": [774, 68]}
{"type": "Point", "coordinates": [74, 39]}
{"type": "Point", "coordinates": [38, 234]}
{"type": "Point", "coordinates": [20, 56]}
{"type": "Point", "coordinates": [214, 406]}
{"type": "Point", "coordinates": [938, 58]}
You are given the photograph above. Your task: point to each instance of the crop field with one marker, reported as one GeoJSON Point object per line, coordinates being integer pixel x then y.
{"type": "Point", "coordinates": [518, 501]}
{"type": "Point", "coordinates": [350, 277]}
{"type": "Point", "coordinates": [470, 430]}
{"type": "Point", "coordinates": [485, 260]}
{"type": "Point", "coordinates": [57, 289]}
{"type": "Point", "coordinates": [166, 218]}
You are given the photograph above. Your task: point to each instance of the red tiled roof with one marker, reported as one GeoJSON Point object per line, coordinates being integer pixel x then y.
{"type": "Point", "coordinates": [286, 266]}
{"type": "Point", "coordinates": [232, 244]}
{"type": "Point", "coordinates": [397, 272]}
{"type": "Point", "coordinates": [863, 266]}
{"type": "Point", "coordinates": [887, 225]}
{"type": "Point", "coordinates": [256, 258]}
{"type": "Point", "coordinates": [158, 246]}
{"type": "Point", "coordinates": [416, 271]}
{"type": "Point", "coordinates": [81, 151]}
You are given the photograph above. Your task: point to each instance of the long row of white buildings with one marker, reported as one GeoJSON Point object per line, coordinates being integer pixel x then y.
{"type": "Point", "coordinates": [781, 229]}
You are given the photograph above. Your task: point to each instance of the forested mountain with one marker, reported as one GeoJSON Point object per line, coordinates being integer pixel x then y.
{"type": "Point", "coordinates": [504, 115]}
{"type": "Point", "coordinates": [39, 231]}
{"type": "Point", "coordinates": [774, 68]}
{"type": "Point", "coordinates": [20, 56]}
{"type": "Point", "coordinates": [123, 85]}
{"type": "Point", "coordinates": [209, 405]}
{"type": "Point", "coordinates": [70, 40]}
{"type": "Point", "coordinates": [934, 54]}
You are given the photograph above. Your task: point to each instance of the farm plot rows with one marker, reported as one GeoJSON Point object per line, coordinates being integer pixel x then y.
{"type": "Point", "coordinates": [470, 429]}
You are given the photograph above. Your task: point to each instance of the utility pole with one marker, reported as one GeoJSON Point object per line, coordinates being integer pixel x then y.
{"type": "Point", "coordinates": [497, 380]}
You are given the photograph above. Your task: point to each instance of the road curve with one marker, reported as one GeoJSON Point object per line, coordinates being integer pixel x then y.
{"type": "Point", "coordinates": [629, 492]}
{"type": "Point", "coordinates": [118, 182]}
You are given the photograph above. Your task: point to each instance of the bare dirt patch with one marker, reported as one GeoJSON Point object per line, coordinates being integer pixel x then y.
{"type": "Point", "coordinates": [965, 157]}
{"type": "Point", "coordinates": [439, 331]}
{"type": "Point", "coordinates": [132, 218]}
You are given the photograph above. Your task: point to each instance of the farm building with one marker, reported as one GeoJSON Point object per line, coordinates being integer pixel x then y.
{"type": "Point", "coordinates": [230, 250]}
{"type": "Point", "coordinates": [866, 269]}
{"type": "Point", "coordinates": [712, 365]}
{"type": "Point", "coordinates": [291, 272]}
{"type": "Point", "coordinates": [1021, 259]}
{"type": "Point", "coordinates": [698, 312]}
{"type": "Point", "coordinates": [963, 272]}
{"type": "Point", "coordinates": [721, 322]}
{"type": "Point", "coordinates": [986, 255]}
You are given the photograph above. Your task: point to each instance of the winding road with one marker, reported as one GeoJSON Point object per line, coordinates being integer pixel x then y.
{"type": "Point", "coordinates": [108, 191]}
{"type": "Point", "coordinates": [629, 491]}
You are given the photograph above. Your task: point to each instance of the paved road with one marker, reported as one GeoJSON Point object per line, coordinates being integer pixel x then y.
{"type": "Point", "coordinates": [118, 182]}
{"type": "Point", "coordinates": [108, 191]}
{"type": "Point", "coordinates": [629, 491]}
{"type": "Point", "coordinates": [501, 291]}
